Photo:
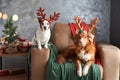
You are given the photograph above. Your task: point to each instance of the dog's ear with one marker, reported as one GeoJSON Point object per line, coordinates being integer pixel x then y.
{"type": "Point", "coordinates": [75, 38]}
{"type": "Point", "coordinates": [40, 20]}
{"type": "Point", "coordinates": [91, 37]}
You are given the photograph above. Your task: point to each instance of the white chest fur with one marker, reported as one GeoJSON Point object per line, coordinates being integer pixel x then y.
{"type": "Point", "coordinates": [41, 37]}
{"type": "Point", "coordinates": [81, 54]}
{"type": "Point", "coordinates": [84, 56]}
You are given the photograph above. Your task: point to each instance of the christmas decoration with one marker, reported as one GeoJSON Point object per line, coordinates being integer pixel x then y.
{"type": "Point", "coordinates": [10, 32]}
{"type": "Point", "coordinates": [11, 48]}
{"type": "Point", "coordinates": [24, 45]}
{"type": "Point", "coordinates": [15, 17]}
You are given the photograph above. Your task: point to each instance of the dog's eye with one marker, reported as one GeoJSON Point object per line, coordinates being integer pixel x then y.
{"type": "Point", "coordinates": [47, 23]}
{"type": "Point", "coordinates": [42, 23]}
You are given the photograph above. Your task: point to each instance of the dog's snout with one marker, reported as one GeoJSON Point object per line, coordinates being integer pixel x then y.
{"type": "Point", "coordinates": [45, 28]}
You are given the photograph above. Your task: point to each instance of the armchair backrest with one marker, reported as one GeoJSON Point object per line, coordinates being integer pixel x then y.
{"type": "Point", "coordinates": [61, 36]}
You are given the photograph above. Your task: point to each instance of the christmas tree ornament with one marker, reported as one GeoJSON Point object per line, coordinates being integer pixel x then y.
{"type": "Point", "coordinates": [11, 36]}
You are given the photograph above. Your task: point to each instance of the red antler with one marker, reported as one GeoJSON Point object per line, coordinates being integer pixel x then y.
{"type": "Point", "coordinates": [54, 17]}
{"type": "Point", "coordinates": [40, 14]}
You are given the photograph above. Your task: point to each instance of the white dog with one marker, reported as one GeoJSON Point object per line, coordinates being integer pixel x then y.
{"type": "Point", "coordinates": [43, 33]}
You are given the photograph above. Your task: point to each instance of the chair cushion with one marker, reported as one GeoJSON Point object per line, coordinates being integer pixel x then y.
{"type": "Point", "coordinates": [61, 36]}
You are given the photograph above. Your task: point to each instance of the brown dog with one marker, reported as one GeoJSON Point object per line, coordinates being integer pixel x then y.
{"type": "Point", "coordinates": [82, 51]}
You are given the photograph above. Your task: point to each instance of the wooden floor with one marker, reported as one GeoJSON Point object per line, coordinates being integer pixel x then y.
{"type": "Point", "coordinates": [14, 77]}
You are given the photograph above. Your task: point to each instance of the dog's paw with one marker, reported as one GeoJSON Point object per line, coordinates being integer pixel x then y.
{"type": "Point", "coordinates": [85, 70]}
{"type": "Point", "coordinates": [79, 71]}
{"type": "Point", "coordinates": [39, 47]}
{"type": "Point", "coordinates": [87, 57]}
{"type": "Point", "coordinates": [46, 46]}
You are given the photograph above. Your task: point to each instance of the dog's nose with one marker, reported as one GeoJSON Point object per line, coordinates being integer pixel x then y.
{"type": "Point", "coordinates": [44, 27]}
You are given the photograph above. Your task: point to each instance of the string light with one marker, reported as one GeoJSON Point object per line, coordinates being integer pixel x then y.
{"type": "Point", "coordinates": [15, 17]}
{"type": "Point", "coordinates": [4, 16]}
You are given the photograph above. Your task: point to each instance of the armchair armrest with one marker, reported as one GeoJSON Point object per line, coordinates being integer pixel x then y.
{"type": "Point", "coordinates": [110, 57]}
{"type": "Point", "coordinates": [39, 60]}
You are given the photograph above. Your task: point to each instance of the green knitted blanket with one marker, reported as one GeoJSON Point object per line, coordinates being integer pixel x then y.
{"type": "Point", "coordinates": [67, 71]}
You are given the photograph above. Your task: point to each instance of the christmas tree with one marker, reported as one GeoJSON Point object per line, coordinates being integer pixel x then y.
{"type": "Point", "coordinates": [10, 32]}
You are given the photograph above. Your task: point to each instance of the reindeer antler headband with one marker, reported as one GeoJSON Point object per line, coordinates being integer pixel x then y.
{"type": "Point", "coordinates": [93, 24]}
{"type": "Point", "coordinates": [78, 21]}
{"type": "Point", "coordinates": [42, 16]}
